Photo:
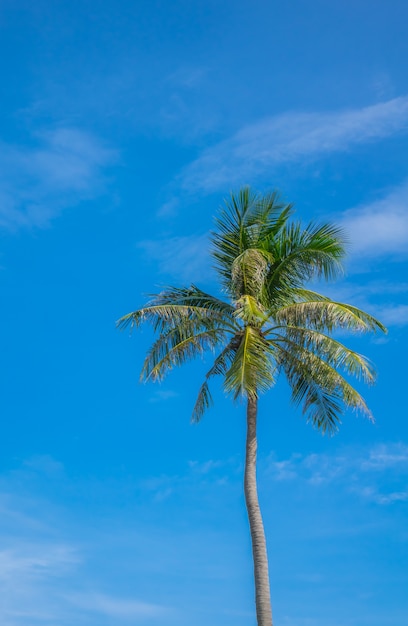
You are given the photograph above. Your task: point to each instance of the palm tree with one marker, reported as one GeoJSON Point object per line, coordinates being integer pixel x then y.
{"type": "Point", "coordinates": [269, 323]}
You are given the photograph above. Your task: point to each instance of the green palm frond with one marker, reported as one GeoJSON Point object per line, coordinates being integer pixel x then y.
{"type": "Point", "coordinates": [173, 306]}
{"type": "Point", "coordinates": [269, 214]}
{"type": "Point", "coordinates": [327, 315]}
{"type": "Point", "coordinates": [304, 253]}
{"type": "Point", "coordinates": [250, 311]}
{"type": "Point", "coordinates": [248, 221]}
{"type": "Point", "coordinates": [179, 345]}
{"type": "Point", "coordinates": [192, 296]}
{"type": "Point", "coordinates": [161, 317]}
{"type": "Point", "coordinates": [332, 351]}
{"type": "Point", "coordinates": [251, 370]}
{"type": "Point", "coordinates": [319, 387]}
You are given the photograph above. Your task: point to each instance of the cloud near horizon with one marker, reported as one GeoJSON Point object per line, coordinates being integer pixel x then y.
{"type": "Point", "coordinates": [290, 137]}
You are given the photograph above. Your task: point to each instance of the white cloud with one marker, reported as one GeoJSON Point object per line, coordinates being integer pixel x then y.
{"type": "Point", "coordinates": [57, 169]}
{"type": "Point", "coordinates": [358, 470]}
{"type": "Point", "coordinates": [34, 561]}
{"type": "Point", "coordinates": [393, 315]}
{"type": "Point", "coordinates": [28, 575]}
{"type": "Point", "coordinates": [380, 227]}
{"type": "Point", "coordinates": [386, 456]}
{"type": "Point", "coordinates": [291, 137]}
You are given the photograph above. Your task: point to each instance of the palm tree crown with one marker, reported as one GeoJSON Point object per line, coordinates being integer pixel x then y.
{"type": "Point", "coordinates": [270, 322]}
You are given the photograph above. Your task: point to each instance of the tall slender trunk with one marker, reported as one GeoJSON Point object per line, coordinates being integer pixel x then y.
{"type": "Point", "coordinates": [261, 574]}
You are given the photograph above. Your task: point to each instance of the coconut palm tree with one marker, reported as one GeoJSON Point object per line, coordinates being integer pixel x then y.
{"type": "Point", "coordinates": [269, 323]}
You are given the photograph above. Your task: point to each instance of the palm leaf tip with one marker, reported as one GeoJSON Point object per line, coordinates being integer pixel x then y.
{"type": "Point", "coordinates": [203, 403]}
{"type": "Point", "coordinates": [125, 321]}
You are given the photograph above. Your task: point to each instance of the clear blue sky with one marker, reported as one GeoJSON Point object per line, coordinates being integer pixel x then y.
{"type": "Point", "coordinates": [123, 126]}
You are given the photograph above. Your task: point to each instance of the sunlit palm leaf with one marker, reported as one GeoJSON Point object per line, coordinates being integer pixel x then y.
{"type": "Point", "coordinates": [176, 348]}
{"type": "Point", "coordinates": [327, 315]}
{"type": "Point", "coordinates": [321, 390]}
{"type": "Point", "coordinates": [302, 254]}
{"type": "Point", "coordinates": [332, 351]}
{"type": "Point", "coordinates": [251, 371]}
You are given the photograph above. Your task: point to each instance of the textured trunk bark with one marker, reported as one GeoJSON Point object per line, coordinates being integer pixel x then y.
{"type": "Point", "coordinates": [261, 574]}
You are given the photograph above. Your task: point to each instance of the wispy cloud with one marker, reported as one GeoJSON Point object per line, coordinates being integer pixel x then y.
{"type": "Point", "coordinates": [380, 227]}
{"type": "Point", "coordinates": [184, 258]}
{"type": "Point", "coordinates": [163, 395]}
{"type": "Point", "coordinates": [115, 607]}
{"type": "Point", "coordinates": [359, 470]}
{"type": "Point", "coordinates": [45, 566]}
{"type": "Point", "coordinates": [29, 574]}
{"type": "Point", "coordinates": [374, 495]}
{"type": "Point", "coordinates": [393, 315]}
{"type": "Point", "coordinates": [292, 137]}
{"type": "Point", "coordinates": [386, 456]}
{"type": "Point", "coordinates": [53, 170]}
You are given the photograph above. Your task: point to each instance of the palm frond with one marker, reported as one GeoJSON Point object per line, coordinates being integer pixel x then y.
{"type": "Point", "coordinates": [330, 350]}
{"type": "Point", "coordinates": [250, 311]}
{"type": "Point", "coordinates": [176, 347]}
{"type": "Point", "coordinates": [323, 392]}
{"type": "Point", "coordinates": [194, 297]}
{"type": "Point", "coordinates": [327, 315]}
{"type": "Point", "coordinates": [173, 306]}
{"type": "Point", "coordinates": [304, 253]}
{"type": "Point", "coordinates": [251, 370]}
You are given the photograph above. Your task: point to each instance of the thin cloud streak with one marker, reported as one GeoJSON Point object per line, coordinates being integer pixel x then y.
{"type": "Point", "coordinates": [184, 258]}
{"type": "Point", "coordinates": [292, 137]}
{"type": "Point", "coordinates": [40, 179]}
{"type": "Point", "coordinates": [115, 607]}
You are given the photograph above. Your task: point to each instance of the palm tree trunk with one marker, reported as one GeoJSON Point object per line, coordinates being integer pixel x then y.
{"type": "Point", "coordinates": [261, 574]}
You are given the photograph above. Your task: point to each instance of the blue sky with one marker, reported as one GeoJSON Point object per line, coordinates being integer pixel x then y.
{"type": "Point", "coordinates": [123, 126]}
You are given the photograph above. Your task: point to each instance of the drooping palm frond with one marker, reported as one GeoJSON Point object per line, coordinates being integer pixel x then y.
{"type": "Point", "coordinates": [178, 345]}
{"type": "Point", "coordinates": [252, 370]}
{"type": "Point", "coordinates": [173, 306]}
{"type": "Point", "coordinates": [329, 349]}
{"type": "Point", "coordinates": [319, 388]}
{"type": "Point", "coordinates": [192, 296]}
{"type": "Point", "coordinates": [325, 314]}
